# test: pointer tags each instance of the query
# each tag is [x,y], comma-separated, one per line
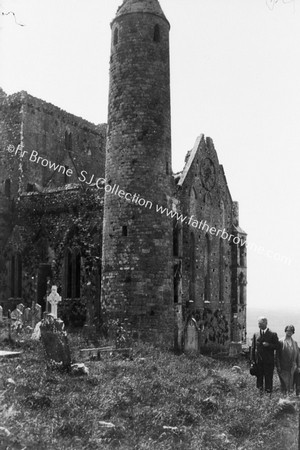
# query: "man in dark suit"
[264,344]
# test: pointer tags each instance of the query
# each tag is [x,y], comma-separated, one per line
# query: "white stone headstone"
[191,337]
[36,332]
[54,298]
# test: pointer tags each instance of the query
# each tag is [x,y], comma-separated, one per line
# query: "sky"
[235,76]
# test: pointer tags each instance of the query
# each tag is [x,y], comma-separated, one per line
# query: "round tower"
[137,271]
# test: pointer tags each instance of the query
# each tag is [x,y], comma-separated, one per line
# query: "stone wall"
[161,269]
[206,202]
[47,227]
[64,140]
[239,281]
[137,241]
[42,206]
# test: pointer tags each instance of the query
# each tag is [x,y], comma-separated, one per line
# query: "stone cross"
[54,298]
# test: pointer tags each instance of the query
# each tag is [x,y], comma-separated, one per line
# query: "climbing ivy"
[47,224]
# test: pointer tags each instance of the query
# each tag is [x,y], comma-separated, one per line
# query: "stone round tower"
[137,270]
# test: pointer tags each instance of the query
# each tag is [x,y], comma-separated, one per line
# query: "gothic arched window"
[177,239]
[68,140]
[192,267]
[242,249]
[72,273]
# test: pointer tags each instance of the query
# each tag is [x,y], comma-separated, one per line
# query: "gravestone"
[38,310]
[21,307]
[55,343]
[27,316]
[191,343]
[9,354]
[37,313]
[36,335]
[235,349]
[1,315]
[54,298]
[17,315]
[17,320]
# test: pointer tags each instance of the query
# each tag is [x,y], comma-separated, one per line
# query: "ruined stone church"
[97,210]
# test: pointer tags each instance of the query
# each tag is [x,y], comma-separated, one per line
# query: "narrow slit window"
[124,230]
[116,36]
[68,140]
[65,175]
[156,35]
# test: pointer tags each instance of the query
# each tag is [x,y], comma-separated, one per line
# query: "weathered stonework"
[137,241]
[99,223]
[61,138]
[46,212]
[208,260]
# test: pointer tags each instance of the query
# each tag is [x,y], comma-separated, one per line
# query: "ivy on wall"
[48,223]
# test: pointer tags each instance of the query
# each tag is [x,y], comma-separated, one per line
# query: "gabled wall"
[207,257]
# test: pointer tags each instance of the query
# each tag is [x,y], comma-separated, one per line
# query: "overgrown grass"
[157,400]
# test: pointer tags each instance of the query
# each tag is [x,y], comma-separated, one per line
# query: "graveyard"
[60,390]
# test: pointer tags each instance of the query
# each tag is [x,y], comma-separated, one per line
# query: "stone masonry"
[112,226]
[137,242]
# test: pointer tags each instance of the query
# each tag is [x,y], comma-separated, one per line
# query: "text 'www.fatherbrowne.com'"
[102,184]
[202,225]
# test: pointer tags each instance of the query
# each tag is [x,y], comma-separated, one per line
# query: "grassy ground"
[157,400]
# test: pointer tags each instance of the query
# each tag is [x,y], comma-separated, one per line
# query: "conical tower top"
[141,6]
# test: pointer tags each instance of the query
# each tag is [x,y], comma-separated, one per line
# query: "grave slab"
[9,354]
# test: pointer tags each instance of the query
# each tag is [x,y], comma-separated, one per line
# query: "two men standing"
[264,344]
